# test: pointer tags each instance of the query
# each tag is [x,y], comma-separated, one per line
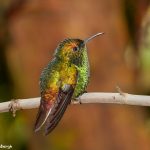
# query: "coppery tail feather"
[63,99]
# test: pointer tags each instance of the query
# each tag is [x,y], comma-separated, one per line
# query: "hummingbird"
[65,78]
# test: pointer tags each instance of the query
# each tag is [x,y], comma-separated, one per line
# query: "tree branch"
[115,98]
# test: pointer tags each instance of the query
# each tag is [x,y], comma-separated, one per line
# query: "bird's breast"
[68,74]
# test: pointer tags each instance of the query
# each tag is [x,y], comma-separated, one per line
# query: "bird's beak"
[92,37]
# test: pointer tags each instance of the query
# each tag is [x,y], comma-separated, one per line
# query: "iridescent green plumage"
[78,62]
[65,77]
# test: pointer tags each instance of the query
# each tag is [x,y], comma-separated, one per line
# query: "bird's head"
[72,49]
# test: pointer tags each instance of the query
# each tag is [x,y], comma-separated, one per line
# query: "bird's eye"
[75,48]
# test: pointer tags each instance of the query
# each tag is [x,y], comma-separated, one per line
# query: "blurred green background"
[30,31]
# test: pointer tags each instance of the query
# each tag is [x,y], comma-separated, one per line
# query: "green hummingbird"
[65,77]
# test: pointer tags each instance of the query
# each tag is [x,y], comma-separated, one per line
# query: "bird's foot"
[76,101]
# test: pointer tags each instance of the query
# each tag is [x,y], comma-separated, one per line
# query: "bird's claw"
[76,101]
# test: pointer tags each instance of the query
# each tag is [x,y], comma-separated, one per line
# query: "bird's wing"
[51,111]
[52,107]
[63,99]
[46,105]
